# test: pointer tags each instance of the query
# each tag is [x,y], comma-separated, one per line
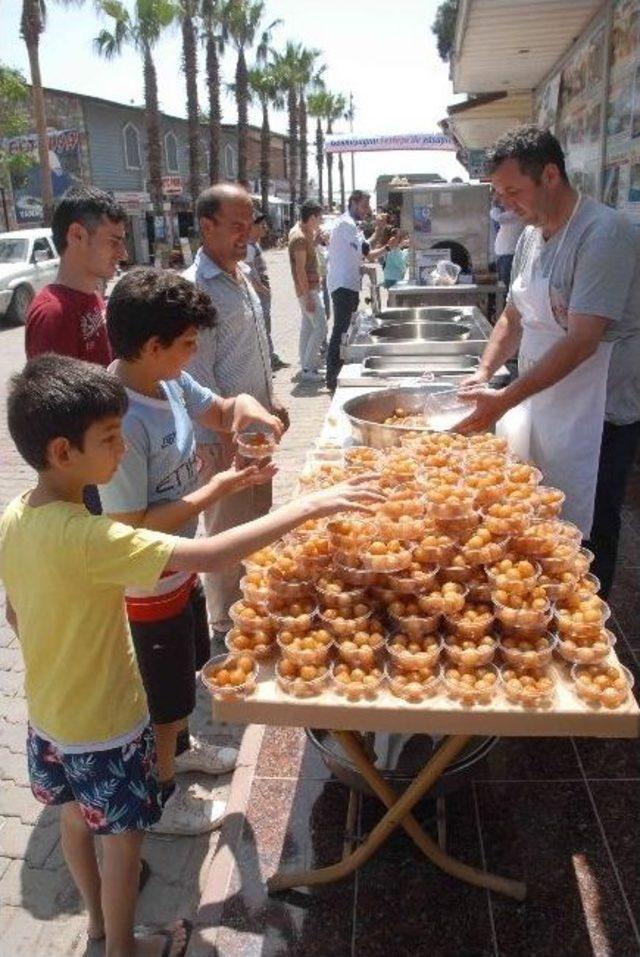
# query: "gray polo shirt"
[232,357]
[597,272]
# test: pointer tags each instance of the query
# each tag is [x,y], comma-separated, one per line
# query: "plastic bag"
[445,273]
[444,410]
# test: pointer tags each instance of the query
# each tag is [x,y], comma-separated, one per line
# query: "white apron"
[565,421]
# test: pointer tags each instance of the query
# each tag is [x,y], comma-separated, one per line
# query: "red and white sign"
[172,185]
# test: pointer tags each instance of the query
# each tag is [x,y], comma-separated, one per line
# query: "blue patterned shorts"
[116,790]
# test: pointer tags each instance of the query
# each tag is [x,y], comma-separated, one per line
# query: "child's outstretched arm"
[213,554]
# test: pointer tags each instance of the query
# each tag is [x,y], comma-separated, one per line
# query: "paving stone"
[11,682]
[20,802]
[44,894]
[13,737]
[16,713]
[27,842]
[13,767]
[11,660]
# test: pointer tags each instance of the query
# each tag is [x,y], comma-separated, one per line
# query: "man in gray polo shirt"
[232,357]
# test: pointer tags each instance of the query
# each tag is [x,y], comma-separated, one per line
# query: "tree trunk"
[320,160]
[304,172]
[265,165]
[152,113]
[190,67]
[215,113]
[330,171]
[293,150]
[242,100]
[341,172]
[31,27]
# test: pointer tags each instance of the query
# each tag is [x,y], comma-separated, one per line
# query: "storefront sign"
[403,141]
[64,162]
[132,202]
[172,185]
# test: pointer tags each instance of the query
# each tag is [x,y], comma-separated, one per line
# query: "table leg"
[451,747]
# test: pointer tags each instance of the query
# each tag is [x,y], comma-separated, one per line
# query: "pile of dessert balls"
[464,581]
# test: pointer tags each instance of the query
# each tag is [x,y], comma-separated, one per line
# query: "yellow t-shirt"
[65,572]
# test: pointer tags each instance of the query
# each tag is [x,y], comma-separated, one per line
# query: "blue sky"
[383,52]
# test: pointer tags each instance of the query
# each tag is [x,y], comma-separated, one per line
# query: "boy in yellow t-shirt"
[90,745]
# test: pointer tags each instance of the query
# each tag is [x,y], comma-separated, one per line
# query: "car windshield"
[13,250]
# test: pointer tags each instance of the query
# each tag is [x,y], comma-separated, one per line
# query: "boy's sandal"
[145,874]
[170,937]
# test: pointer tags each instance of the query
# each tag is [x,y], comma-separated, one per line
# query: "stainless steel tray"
[422,314]
[389,366]
[423,331]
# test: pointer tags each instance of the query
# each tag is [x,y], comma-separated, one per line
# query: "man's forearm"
[502,345]
[228,548]
[558,362]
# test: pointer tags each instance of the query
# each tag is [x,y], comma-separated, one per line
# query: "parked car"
[28,261]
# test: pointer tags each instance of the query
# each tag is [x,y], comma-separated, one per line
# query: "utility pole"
[353,160]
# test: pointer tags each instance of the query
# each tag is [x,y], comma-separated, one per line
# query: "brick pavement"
[40,914]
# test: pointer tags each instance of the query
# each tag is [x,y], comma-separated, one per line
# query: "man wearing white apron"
[573,313]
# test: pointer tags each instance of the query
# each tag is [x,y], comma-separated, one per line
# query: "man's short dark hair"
[150,302]
[357,195]
[87,206]
[210,200]
[59,397]
[532,147]
[308,209]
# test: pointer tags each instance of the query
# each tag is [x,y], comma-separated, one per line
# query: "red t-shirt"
[69,323]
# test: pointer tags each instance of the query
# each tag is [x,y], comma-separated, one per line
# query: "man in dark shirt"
[67,316]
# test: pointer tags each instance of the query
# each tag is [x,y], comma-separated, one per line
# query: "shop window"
[131,139]
[171,152]
[230,164]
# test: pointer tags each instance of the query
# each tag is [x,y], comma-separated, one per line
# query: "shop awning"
[477,123]
[512,44]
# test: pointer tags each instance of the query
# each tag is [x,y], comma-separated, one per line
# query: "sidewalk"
[40,913]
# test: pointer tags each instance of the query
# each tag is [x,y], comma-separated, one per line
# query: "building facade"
[103,143]
[577,73]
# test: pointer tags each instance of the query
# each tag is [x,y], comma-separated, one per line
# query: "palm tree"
[289,74]
[336,105]
[243,19]
[211,12]
[309,76]
[142,30]
[187,12]
[32,25]
[264,83]
[317,105]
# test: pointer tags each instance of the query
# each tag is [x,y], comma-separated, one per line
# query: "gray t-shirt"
[597,272]
[160,462]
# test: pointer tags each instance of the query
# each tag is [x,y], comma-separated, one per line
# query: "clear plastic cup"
[504,518]
[229,686]
[247,643]
[587,651]
[296,685]
[558,588]
[610,696]
[459,506]
[530,619]
[565,558]
[360,684]
[406,657]
[415,625]
[341,625]
[487,554]
[361,655]
[532,689]
[521,473]
[569,626]
[444,410]
[288,588]
[470,652]
[249,618]
[362,456]
[436,549]
[471,685]
[526,654]
[255,593]
[334,598]
[466,626]
[407,528]
[413,687]
[411,581]
[301,622]
[487,487]
[296,651]
[255,445]
[350,567]
[549,503]
[350,535]
[456,573]
[510,581]
[389,562]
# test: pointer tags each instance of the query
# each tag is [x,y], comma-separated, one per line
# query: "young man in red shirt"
[67,317]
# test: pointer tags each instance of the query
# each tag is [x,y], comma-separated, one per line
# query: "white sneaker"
[206,757]
[186,814]
[310,375]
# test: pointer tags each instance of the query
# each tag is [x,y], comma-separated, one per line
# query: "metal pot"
[457,775]
[366,413]
[421,314]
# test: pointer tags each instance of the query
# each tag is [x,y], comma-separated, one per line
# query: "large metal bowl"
[421,314]
[366,413]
